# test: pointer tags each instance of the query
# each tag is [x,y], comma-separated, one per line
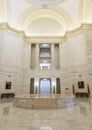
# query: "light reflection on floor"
[78,117]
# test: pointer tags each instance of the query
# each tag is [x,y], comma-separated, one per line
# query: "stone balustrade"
[44,101]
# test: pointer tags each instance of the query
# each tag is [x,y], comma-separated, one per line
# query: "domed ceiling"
[45,17]
[45,2]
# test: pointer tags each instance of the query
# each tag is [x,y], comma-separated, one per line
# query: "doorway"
[45,86]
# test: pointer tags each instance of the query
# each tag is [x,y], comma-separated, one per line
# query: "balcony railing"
[42,54]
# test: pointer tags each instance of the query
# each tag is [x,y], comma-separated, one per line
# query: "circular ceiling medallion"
[45,2]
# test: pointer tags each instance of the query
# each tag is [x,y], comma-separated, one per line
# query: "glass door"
[45,86]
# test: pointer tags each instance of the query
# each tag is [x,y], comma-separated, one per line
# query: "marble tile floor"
[78,117]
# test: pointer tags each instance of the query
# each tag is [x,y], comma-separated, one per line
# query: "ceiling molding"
[34,9]
[68,33]
[6,26]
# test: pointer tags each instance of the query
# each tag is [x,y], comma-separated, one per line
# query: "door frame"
[40,83]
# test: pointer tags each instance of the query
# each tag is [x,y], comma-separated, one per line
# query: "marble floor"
[78,117]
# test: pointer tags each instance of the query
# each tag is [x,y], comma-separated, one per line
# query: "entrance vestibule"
[45,86]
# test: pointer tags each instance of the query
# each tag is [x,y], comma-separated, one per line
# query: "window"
[45,50]
[45,56]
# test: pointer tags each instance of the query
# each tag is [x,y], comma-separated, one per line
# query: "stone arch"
[62,14]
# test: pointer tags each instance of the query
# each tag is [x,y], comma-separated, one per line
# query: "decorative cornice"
[6,26]
[68,33]
[59,14]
